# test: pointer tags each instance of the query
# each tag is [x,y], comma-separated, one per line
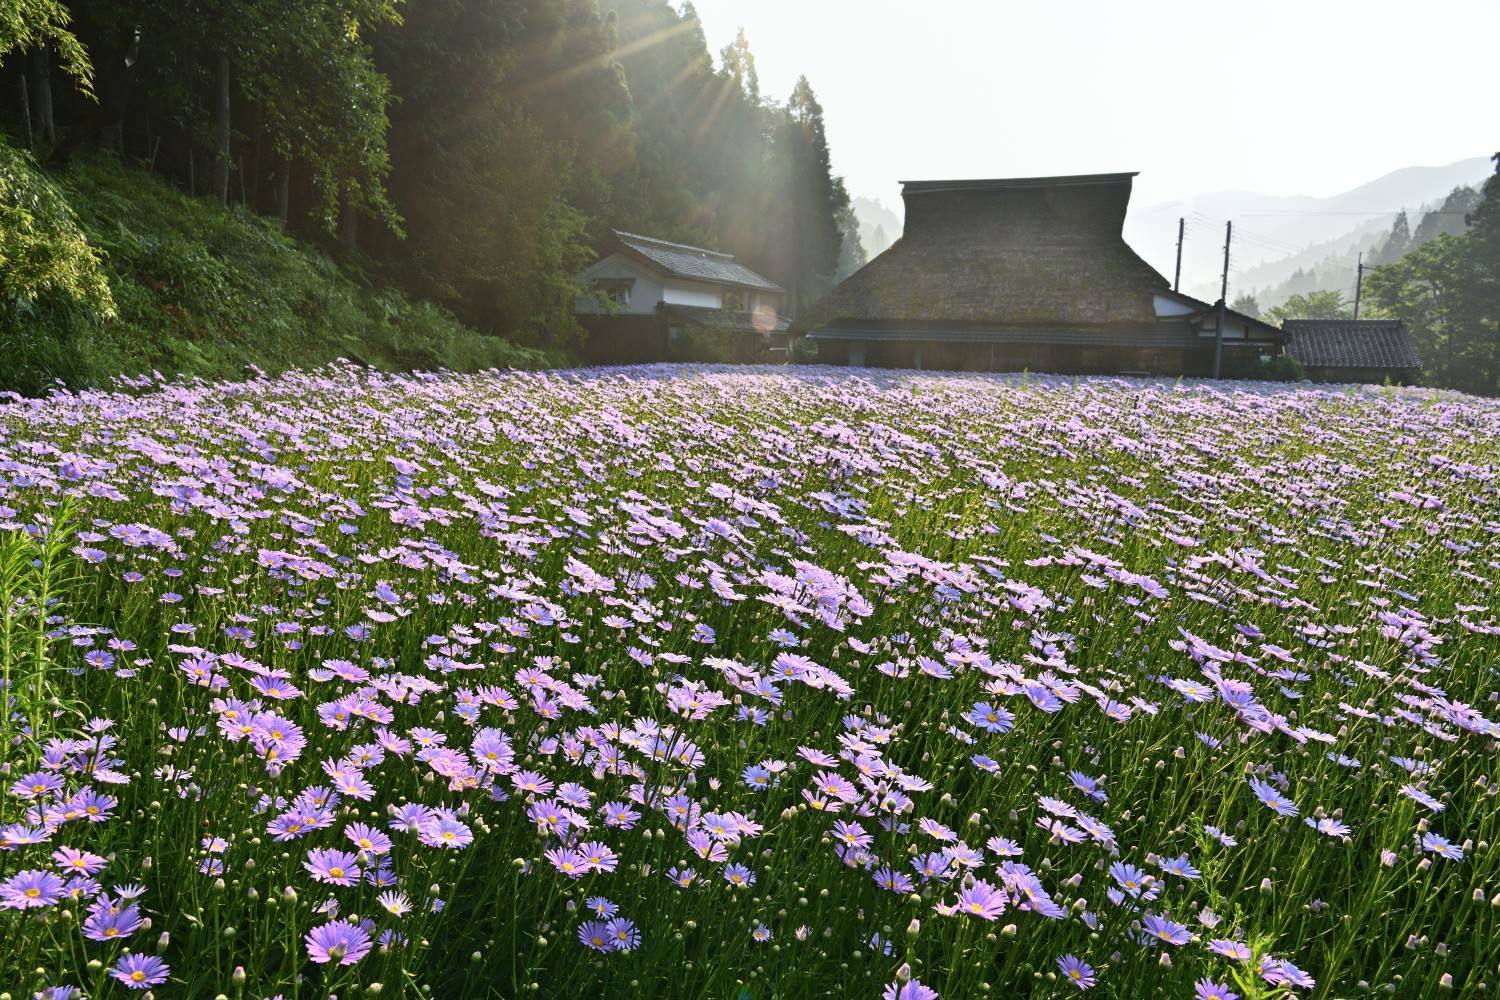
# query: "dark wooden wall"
[623,340]
[1045,358]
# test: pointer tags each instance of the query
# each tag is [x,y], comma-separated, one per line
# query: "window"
[735,300]
[613,292]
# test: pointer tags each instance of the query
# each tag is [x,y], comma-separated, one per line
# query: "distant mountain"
[1275,228]
[1321,267]
[879,227]
[1332,266]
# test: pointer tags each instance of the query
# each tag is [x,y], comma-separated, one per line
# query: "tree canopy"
[1447,291]
[474,152]
[1312,305]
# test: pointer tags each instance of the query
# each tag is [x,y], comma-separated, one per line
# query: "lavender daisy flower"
[595,934]
[333,867]
[1166,930]
[1180,866]
[1076,971]
[1237,950]
[1431,843]
[107,923]
[624,934]
[341,941]
[982,900]
[31,889]
[1272,799]
[913,990]
[738,875]
[140,972]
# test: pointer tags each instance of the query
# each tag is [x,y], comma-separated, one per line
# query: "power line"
[1259,239]
[1398,211]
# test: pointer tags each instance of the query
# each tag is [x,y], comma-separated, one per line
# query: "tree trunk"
[284,191]
[26,112]
[221,132]
[349,223]
[250,179]
[41,93]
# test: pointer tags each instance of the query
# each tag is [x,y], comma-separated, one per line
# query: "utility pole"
[1359,285]
[1223,300]
[1177,277]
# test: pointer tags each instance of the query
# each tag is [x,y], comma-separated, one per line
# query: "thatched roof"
[1043,251]
[1351,343]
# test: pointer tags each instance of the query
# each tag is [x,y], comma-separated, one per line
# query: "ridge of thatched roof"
[1016,251]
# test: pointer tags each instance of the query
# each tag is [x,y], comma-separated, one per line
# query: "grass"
[1038,628]
[147,280]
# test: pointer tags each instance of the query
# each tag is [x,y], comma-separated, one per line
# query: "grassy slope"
[200,291]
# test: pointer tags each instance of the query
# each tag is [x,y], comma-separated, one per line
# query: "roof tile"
[695,262]
[1345,343]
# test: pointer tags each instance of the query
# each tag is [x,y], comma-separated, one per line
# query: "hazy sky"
[1276,96]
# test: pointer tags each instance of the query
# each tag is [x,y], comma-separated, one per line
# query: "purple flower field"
[749,683]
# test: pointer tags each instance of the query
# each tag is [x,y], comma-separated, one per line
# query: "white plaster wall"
[692,293]
[644,295]
[1166,306]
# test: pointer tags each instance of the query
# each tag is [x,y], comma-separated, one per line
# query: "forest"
[467,153]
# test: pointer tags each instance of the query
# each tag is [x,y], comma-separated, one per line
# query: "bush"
[53,283]
[720,346]
[1248,364]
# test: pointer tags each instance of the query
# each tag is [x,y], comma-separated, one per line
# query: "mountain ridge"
[1273,227]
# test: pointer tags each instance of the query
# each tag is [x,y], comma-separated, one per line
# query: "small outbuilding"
[1353,350]
[648,300]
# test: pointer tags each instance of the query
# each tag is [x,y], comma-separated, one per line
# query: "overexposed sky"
[1276,96]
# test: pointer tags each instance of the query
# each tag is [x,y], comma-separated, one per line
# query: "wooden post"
[1359,284]
[1223,301]
[1177,277]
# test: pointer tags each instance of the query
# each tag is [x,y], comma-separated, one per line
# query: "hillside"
[109,271]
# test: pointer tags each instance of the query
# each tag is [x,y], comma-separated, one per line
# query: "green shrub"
[699,344]
[1248,364]
[804,351]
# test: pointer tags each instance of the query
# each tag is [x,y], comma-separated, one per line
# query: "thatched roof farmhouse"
[1016,273]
